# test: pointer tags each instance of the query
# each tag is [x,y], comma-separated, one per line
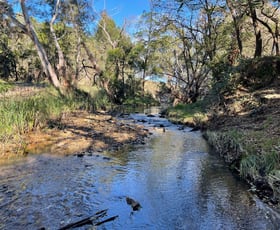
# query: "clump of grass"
[21,115]
[254,154]
[194,113]
[4,86]
[227,144]
[259,165]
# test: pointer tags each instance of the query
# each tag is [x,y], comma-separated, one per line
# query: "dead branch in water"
[92,220]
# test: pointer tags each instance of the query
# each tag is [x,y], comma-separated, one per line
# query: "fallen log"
[92,220]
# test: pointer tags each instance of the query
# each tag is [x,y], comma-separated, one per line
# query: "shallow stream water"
[179,183]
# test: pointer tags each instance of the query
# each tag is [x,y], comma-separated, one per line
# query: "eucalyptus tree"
[148,43]
[195,25]
[270,20]
[256,17]
[114,47]
[52,13]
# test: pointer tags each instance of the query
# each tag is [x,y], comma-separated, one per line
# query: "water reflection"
[178,183]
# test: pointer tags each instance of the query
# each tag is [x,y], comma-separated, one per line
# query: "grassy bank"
[191,114]
[21,113]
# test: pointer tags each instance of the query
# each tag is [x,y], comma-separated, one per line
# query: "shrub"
[259,72]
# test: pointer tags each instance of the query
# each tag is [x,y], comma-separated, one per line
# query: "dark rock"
[80,154]
[141,120]
[194,129]
[135,205]
[106,158]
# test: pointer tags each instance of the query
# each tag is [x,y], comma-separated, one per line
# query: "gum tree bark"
[30,31]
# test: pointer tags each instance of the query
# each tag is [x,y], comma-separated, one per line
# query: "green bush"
[259,72]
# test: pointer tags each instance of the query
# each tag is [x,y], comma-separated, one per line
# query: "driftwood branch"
[92,220]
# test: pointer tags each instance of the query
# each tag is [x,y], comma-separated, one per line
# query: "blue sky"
[121,10]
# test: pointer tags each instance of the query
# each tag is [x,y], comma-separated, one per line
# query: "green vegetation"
[251,153]
[255,166]
[191,114]
[140,99]
[4,86]
[20,115]
[258,72]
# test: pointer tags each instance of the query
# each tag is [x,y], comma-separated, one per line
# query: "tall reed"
[20,115]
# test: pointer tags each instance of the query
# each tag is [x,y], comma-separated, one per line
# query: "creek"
[178,181]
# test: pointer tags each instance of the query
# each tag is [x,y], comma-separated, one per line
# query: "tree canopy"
[185,42]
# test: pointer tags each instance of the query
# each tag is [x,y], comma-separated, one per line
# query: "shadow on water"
[179,184]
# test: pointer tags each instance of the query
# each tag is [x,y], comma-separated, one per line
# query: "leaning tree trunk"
[67,80]
[48,69]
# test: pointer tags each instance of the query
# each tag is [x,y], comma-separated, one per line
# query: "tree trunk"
[236,22]
[48,69]
[275,33]
[144,74]
[61,66]
[77,59]
[91,59]
[257,30]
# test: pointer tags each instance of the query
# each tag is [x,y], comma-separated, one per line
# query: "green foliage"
[107,24]
[190,109]
[140,99]
[253,160]
[4,86]
[7,59]
[97,97]
[20,115]
[223,81]
[116,54]
[255,165]
[194,113]
[249,166]
[259,72]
